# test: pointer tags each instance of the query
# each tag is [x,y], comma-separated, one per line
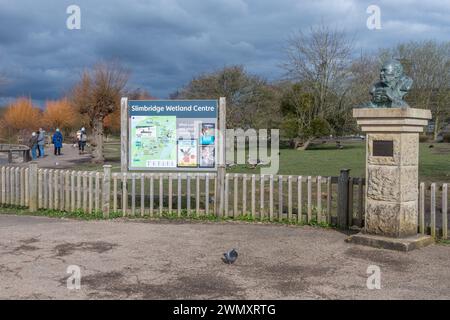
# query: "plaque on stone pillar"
[383,148]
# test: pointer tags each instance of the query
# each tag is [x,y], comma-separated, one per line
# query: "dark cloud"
[165,43]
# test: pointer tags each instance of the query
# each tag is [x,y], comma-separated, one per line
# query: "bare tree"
[98,94]
[363,73]
[320,59]
[249,97]
[139,94]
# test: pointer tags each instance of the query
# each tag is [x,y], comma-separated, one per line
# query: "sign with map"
[172,134]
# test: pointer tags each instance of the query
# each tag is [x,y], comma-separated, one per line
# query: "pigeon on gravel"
[230,256]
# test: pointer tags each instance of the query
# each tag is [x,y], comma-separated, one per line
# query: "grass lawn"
[324,160]
[327,160]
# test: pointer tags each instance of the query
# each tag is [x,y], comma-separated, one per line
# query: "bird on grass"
[230,256]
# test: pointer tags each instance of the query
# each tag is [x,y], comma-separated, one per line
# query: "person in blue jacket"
[57,140]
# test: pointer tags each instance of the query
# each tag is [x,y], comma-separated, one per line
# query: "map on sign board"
[172,134]
[154,141]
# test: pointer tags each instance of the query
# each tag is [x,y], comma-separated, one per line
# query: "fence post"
[342,216]
[33,187]
[350,202]
[161,194]
[97,192]
[221,169]
[170,195]
[360,202]
[106,190]
[72,191]
[319,199]
[27,185]
[66,191]
[143,194]
[422,208]
[261,197]
[197,195]
[3,185]
[124,193]
[133,194]
[280,198]
[207,194]
[178,195]
[444,211]
[433,209]
[299,199]
[329,195]
[226,195]
[309,199]
[124,134]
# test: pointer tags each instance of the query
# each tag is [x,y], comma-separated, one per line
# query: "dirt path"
[162,260]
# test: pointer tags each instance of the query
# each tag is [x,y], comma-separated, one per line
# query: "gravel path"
[161,260]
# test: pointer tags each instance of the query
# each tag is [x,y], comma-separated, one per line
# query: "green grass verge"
[445,242]
[6,209]
[80,215]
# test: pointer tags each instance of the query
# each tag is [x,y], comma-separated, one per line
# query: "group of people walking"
[37,142]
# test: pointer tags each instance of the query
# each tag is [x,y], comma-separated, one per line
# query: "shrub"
[446,137]
[424,138]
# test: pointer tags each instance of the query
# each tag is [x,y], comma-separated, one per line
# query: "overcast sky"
[165,43]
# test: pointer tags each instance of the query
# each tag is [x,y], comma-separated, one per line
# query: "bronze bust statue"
[392,87]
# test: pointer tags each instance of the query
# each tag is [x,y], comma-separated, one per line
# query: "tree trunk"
[97,141]
[436,128]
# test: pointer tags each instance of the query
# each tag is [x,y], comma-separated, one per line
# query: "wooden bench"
[11,148]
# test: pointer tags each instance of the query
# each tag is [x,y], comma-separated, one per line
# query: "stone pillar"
[392,159]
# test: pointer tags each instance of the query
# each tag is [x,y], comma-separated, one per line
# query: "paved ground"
[68,158]
[162,260]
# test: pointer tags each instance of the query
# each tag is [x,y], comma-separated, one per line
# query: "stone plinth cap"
[391,119]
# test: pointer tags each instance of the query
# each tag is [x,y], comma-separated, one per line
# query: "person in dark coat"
[57,141]
[82,140]
[33,144]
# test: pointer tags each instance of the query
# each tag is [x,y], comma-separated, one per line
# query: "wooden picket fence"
[271,197]
[433,208]
[308,199]
[258,196]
